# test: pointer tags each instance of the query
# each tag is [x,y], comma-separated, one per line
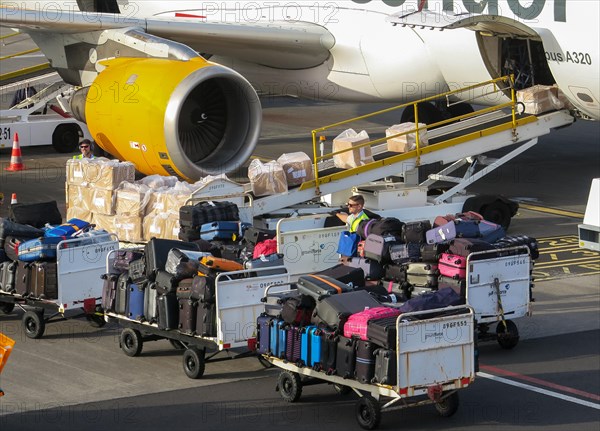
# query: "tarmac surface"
[76,377]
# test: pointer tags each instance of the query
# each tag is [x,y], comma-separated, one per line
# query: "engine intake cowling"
[185,118]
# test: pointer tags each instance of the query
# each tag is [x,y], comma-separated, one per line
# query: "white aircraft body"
[149,95]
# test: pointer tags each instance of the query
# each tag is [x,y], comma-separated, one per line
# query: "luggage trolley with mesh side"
[80,262]
[238,303]
[434,359]
[498,287]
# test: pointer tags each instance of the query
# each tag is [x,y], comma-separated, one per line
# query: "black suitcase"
[22,278]
[44,280]
[168,311]
[297,310]
[206,321]
[109,291]
[383,332]
[373,270]
[365,361]
[431,253]
[165,282]
[10,228]
[207,212]
[415,231]
[319,286]
[188,313]
[188,234]
[353,277]
[7,276]
[157,251]
[345,358]
[254,235]
[334,310]
[458,285]
[121,299]
[385,367]
[329,342]
[395,273]
[36,214]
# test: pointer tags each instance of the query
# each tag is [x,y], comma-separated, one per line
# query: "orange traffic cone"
[13,199]
[16,162]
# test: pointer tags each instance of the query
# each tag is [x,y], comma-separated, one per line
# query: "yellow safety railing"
[508,82]
[6,346]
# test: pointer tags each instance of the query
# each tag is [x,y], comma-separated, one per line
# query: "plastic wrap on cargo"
[266,178]
[407,142]
[161,225]
[129,228]
[158,181]
[131,198]
[357,157]
[100,172]
[539,99]
[98,201]
[169,199]
[76,197]
[79,213]
[297,168]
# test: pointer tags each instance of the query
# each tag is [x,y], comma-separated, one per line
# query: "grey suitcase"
[22,278]
[150,310]
[7,276]
[121,300]
[385,367]
[422,274]
[335,309]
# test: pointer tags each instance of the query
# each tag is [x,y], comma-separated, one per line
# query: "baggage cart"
[238,303]
[499,290]
[80,262]
[435,357]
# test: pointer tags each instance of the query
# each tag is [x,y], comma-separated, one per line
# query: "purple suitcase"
[442,233]
[264,333]
[292,348]
[451,265]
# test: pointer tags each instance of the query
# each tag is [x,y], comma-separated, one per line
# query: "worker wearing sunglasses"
[85,147]
[355,214]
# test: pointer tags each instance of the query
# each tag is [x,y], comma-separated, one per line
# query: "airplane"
[174,86]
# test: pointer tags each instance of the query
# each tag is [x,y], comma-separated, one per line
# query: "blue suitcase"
[135,302]
[43,248]
[220,230]
[278,338]
[305,344]
[264,334]
[66,230]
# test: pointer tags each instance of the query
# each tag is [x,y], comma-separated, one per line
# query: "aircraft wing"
[287,45]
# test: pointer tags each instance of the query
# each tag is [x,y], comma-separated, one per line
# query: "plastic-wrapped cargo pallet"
[351,159]
[407,141]
[539,99]
[267,178]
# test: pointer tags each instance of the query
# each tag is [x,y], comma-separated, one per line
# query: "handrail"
[417,130]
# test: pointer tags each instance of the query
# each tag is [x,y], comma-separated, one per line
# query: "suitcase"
[10,228]
[516,240]
[329,342]
[43,280]
[122,260]
[109,291]
[7,276]
[176,257]
[135,301]
[254,235]
[333,310]
[318,286]
[383,332]
[168,311]
[467,228]
[266,262]
[3,256]
[422,274]
[415,231]
[375,248]
[373,270]
[220,230]
[206,321]
[292,348]
[43,248]
[188,314]
[185,289]
[353,277]
[188,234]
[365,361]
[36,215]
[346,358]
[150,306]
[137,270]
[220,264]
[66,230]
[458,285]
[441,233]
[356,325]
[265,247]
[431,252]
[360,248]
[263,323]
[278,338]
[157,250]
[453,266]
[466,246]
[207,212]
[386,370]
[395,273]
[11,247]
[274,301]
[121,299]
[228,250]
[22,278]
[165,282]
[297,310]
[306,335]
[404,253]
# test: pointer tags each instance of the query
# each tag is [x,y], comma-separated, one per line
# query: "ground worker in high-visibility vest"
[85,147]
[356,212]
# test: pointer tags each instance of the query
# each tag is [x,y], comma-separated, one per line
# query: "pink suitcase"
[452,265]
[356,325]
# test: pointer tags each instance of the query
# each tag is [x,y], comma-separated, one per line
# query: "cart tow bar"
[435,392]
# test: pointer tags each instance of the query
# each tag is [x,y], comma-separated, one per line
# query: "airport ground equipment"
[435,357]
[589,230]
[80,264]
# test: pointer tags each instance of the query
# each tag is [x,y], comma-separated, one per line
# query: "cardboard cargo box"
[297,168]
[266,178]
[98,201]
[406,142]
[539,99]
[131,199]
[161,225]
[357,157]
[106,222]
[76,196]
[166,200]
[129,228]
[79,213]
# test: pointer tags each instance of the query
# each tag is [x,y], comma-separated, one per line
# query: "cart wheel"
[193,363]
[289,386]
[177,345]
[34,324]
[368,412]
[508,337]
[448,406]
[7,307]
[131,342]
[264,362]
[342,389]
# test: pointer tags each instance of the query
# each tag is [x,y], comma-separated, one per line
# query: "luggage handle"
[337,288]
